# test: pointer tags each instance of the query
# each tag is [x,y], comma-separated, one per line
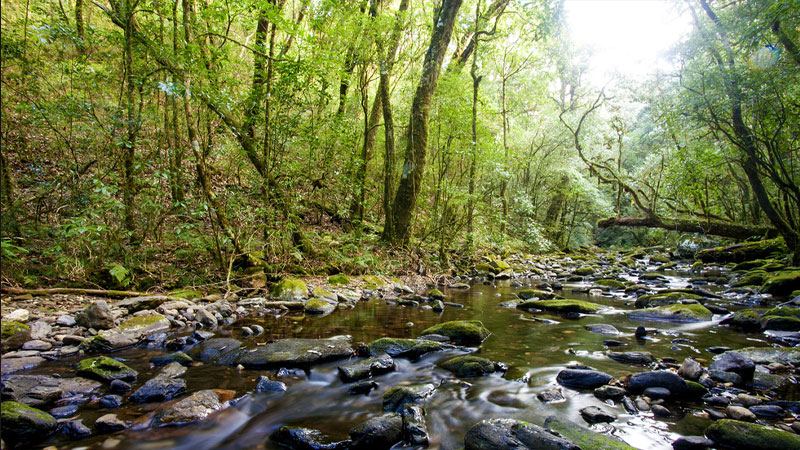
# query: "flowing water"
[535,346]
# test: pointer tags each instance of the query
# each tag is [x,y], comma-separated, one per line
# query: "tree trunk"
[129,155]
[370,132]
[79,28]
[723,229]
[416,149]
[476,81]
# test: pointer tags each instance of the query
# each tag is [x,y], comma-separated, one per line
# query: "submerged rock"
[297,438]
[635,358]
[728,433]
[585,438]
[582,379]
[22,423]
[511,434]
[734,362]
[301,353]
[562,306]
[396,397]
[462,332]
[164,386]
[673,313]
[399,347]
[365,368]
[602,328]
[595,414]
[222,351]
[378,433]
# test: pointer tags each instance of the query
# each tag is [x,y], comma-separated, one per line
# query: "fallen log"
[71,291]
[724,229]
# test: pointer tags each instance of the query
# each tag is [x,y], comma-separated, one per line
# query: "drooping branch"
[724,229]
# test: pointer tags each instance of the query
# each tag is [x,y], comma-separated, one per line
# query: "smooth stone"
[728,433]
[595,414]
[508,434]
[97,315]
[120,386]
[404,348]
[164,386]
[111,401]
[735,362]
[193,408]
[633,358]
[301,353]
[717,349]
[660,411]
[40,330]
[109,423]
[582,379]
[725,377]
[37,345]
[657,393]
[690,369]
[613,343]
[692,443]
[659,378]
[76,429]
[609,392]
[773,412]
[379,433]
[61,412]
[641,332]
[12,365]
[740,413]
[602,328]
[65,320]
[551,396]
[304,439]
[362,388]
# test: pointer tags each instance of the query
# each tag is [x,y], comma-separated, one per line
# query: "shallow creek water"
[535,346]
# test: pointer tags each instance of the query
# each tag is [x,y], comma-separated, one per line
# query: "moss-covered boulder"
[103,368]
[373,282]
[498,265]
[469,366]
[583,437]
[744,252]
[319,306]
[583,271]
[665,298]
[289,289]
[527,294]
[302,353]
[404,348]
[143,325]
[747,319]
[780,323]
[396,397]
[14,334]
[610,283]
[20,423]
[436,294]
[505,434]
[788,356]
[752,278]
[338,280]
[462,332]
[673,313]
[782,283]
[728,433]
[561,306]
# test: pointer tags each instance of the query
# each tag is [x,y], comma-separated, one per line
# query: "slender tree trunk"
[129,156]
[370,132]
[79,28]
[416,151]
[350,62]
[476,81]
[504,185]
[268,134]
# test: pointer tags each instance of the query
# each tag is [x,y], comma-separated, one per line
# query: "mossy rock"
[145,324]
[319,306]
[780,323]
[436,294]
[661,259]
[666,266]
[96,344]
[583,271]
[694,390]
[178,357]
[527,294]
[324,294]
[186,294]
[498,265]
[749,265]
[747,319]
[727,433]
[289,289]
[666,298]
[697,266]
[373,282]
[773,266]
[462,332]
[14,334]
[583,437]
[610,283]
[484,268]
[752,278]
[673,313]
[338,280]
[788,356]
[400,347]
[468,366]
[747,251]
[562,306]
[21,423]
[651,276]
[103,368]
[782,284]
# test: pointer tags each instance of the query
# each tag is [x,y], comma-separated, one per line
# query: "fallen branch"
[723,229]
[72,291]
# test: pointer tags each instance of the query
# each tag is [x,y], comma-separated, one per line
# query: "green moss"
[338,280]
[585,438]
[9,329]
[783,311]
[662,259]
[749,265]
[674,313]
[141,321]
[747,319]
[747,251]
[324,294]
[499,265]
[651,276]
[104,368]
[95,344]
[780,323]
[666,266]
[319,306]
[463,332]
[562,306]
[584,271]
[289,289]
[666,298]
[753,278]
[14,334]
[527,294]
[468,366]
[373,282]
[411,348]
[736,434]
[484,268]
[694,390]
[608,282]
[782,284]
[21,423]
[436,294]
[186,294]
[697,266]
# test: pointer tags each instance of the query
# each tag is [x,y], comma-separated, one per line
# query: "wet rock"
[740,413]
[295,353]
[12,365]
[658,378]
[582,379]
[583,437]
[164,386]
[107,341]
[178,357]
[665,298]
[640,333]
[595,414]
[780,323]
[319,306]
[634,358]
[109,423]
[97,315]
[462,332]
[747,320]
[734,362]
[657,393]
[469,366]
[772,412]
[768,355]
[660,411]
[438,306]
[408,348]
[362,388]
[561,306]
[40,330]
[728,433]
[305,439]
[365,368]
[119,386]
[193,408]
[673,313]
[602,328]
[205,317]
[60,412]
[396,397]
[290,290]
[690,369]
[14,335]
[264,384]
[378,433]
[36,390]
[528,294]
[415,431]
[551,396]
[692,443]
[725,377]
[21,423]
[613,343]
[222,351]
[37,345]
[76,429]
[103,368]
[508,434]
[609,392]
[782,283]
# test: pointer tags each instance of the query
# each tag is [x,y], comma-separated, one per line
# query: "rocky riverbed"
[598,350]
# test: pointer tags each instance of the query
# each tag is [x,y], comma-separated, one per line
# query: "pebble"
[660,411]
[61,412]
[18,315]
[740,413]
[37,345]
[111,401]
[120,386]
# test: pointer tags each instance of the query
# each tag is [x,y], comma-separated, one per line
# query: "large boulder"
[561,306]
[103,368]
[462,332]
[744,252]
[97,315]
[378,433]
[736,434]
[734,362]
[510,434]
[164,386]
[301,353]
[585,438]
[222,351]
[582,379]
[21,423]
[319,306]
[673,313]
[657,378]
[469,366]
[782,284]
[37,390]
[193,408]
[297,438]
[145,325]
[290,290]
[407,348]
